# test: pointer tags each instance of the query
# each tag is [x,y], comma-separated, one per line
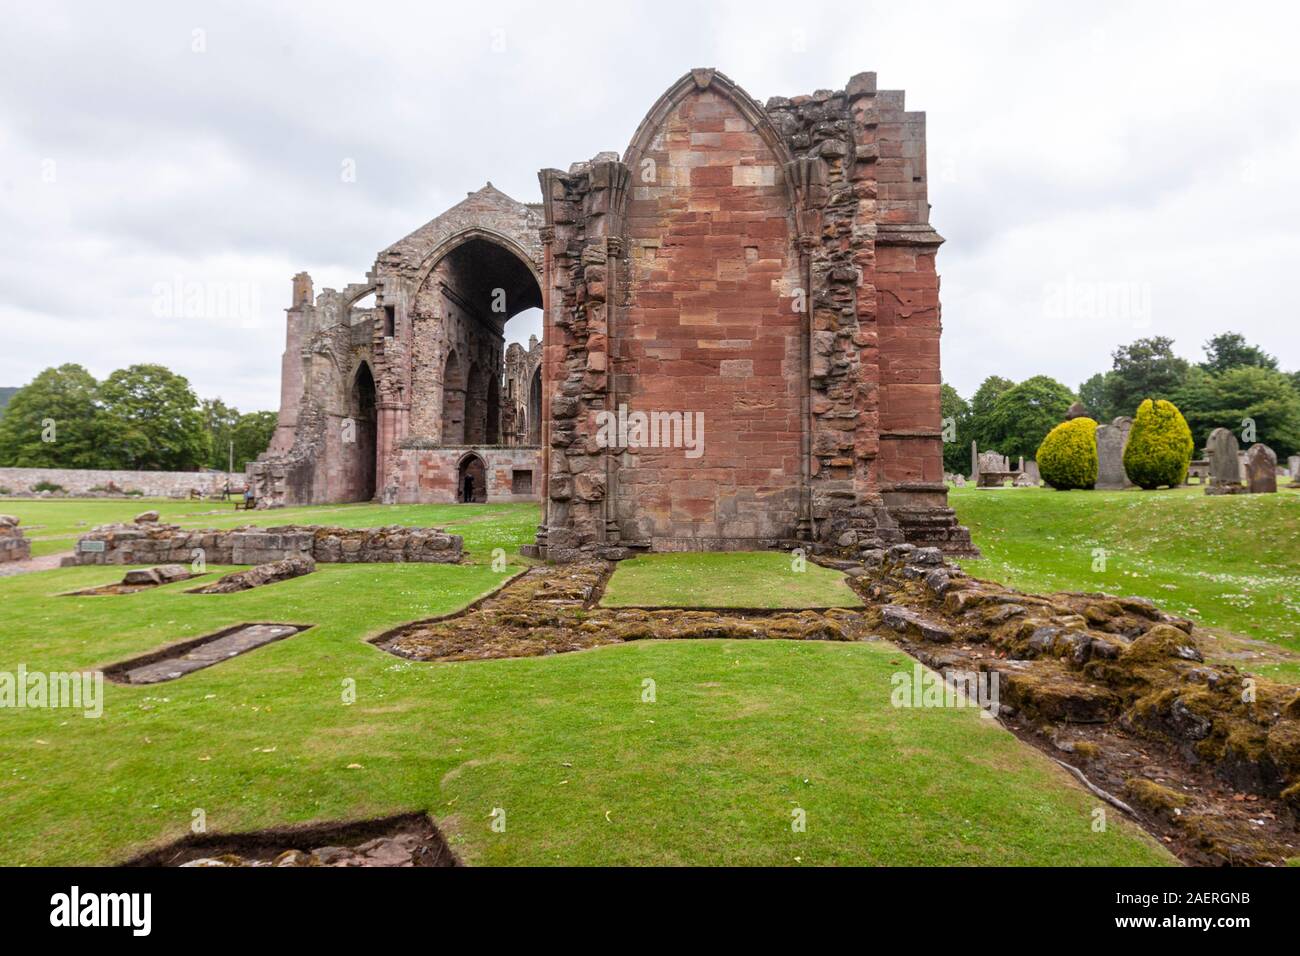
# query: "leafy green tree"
[1240,398]
[1093,395]
[52,422]
[1231,350]
[956,424]
[252,434]
[1148,368]
[1024,414]
[151,420]
[981,407]
[219,421]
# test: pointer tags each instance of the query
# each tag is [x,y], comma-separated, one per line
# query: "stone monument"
[1225,469]
[1261,470]
[1111,441]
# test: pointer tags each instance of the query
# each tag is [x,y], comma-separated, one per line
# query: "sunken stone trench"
[553,610]
[189,656]
[407,840]
[1117,690]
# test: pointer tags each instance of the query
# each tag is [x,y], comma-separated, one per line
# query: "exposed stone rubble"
[1114,668]
[141,579]
[548,610]
[404,850]
[160,574]
[148,542]
[261,575]
[13,546]
[402,841]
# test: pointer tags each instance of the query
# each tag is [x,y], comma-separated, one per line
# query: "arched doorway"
[453,401]
[361,435]
[471,480]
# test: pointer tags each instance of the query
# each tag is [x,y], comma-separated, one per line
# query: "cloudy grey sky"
[1101,173]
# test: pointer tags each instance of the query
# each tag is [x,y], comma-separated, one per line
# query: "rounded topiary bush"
[1067,458]
[1159,446]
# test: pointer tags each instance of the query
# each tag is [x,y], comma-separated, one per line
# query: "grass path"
[740,735]
[760,579]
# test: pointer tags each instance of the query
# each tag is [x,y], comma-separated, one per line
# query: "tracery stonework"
[767,271]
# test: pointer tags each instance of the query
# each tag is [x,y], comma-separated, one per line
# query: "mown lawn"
[740,735]
[763,579]
[54,524]
[1229,561]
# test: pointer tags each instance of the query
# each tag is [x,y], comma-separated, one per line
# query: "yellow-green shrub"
[1159,446]
[1067,458]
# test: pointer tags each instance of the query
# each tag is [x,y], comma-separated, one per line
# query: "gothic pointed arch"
[694,83]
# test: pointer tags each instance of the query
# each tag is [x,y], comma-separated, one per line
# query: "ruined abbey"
[767,271]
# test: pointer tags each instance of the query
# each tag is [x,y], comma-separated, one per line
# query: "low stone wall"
[13,546]
[154,543]
[154,484]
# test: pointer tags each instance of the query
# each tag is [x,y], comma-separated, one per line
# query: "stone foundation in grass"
[1115,686]
[13,546]
[151,542]
[259,576]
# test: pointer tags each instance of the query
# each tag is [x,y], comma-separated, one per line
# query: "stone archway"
[361,435]
[471,480]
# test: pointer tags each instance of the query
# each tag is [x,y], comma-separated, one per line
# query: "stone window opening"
[453,401]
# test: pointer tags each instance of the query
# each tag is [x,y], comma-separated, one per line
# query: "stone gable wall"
[677,284]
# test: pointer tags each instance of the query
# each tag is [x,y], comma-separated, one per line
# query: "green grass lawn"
[1226,561]
[741,735]
[763,579]
[54,524]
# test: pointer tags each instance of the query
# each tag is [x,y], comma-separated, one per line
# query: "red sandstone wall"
[908,327]
[428,475]
[711,326]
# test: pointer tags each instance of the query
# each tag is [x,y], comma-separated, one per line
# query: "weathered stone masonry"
[773,268]
[770,268]
[157,543]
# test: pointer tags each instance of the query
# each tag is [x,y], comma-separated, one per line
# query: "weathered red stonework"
[771,269]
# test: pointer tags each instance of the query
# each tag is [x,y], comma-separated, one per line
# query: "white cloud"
[1144,150]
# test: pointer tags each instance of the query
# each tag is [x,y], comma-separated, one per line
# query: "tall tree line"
[140,418]
[1238,386]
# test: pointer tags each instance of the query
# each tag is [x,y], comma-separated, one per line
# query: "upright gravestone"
[1031,469]
[974,461]
[1293,466]
[1111,440]
[1225,471]
[1261,470]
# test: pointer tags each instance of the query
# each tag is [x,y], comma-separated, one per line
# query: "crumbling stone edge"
[148,541]
[1075,659]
